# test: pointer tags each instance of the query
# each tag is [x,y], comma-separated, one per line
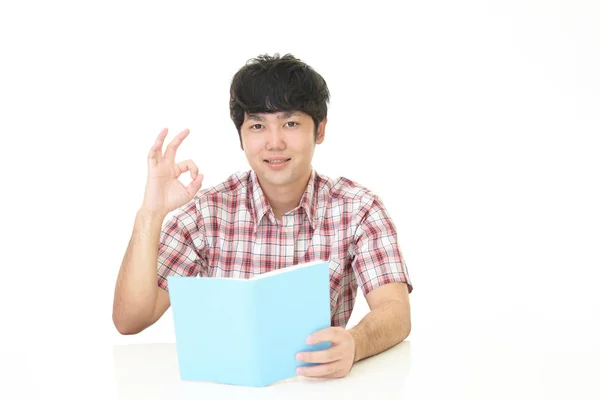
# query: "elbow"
[124,326]
[404,326]
[406,329]
[125,330]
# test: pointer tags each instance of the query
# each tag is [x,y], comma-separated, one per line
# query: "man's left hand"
[336,361]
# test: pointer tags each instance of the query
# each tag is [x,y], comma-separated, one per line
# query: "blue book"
[248,331]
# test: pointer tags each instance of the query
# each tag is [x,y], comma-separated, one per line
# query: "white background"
[477,122]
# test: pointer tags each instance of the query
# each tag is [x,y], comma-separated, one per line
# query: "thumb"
[195,185]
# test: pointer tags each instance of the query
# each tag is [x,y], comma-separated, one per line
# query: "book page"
[286,269]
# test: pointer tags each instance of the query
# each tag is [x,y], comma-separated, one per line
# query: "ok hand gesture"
[164,193]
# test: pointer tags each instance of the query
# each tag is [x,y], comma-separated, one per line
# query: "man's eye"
[291,122]
[256,127]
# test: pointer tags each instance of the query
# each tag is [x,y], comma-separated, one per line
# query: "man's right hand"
[164,193]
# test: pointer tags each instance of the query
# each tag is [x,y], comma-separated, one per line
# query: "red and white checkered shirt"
[230,231]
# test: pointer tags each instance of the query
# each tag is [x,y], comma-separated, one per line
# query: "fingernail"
[300,371]
[299,357]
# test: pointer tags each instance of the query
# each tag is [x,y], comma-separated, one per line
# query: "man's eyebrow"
[255,117]
[283,115]
[288,114]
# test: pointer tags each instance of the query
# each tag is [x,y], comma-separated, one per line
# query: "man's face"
[279,146]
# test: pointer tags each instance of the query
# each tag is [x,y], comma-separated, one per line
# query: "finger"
[188,165]
[319,357]
[172,147]
[335,374]
[155,152]
[195,185]
[334,334]
[321,370]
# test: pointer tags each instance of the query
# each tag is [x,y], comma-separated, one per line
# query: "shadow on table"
[150,371]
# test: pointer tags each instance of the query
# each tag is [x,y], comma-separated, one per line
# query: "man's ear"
[321,131]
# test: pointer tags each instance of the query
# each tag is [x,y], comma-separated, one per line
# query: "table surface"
[449,360]
[149,371]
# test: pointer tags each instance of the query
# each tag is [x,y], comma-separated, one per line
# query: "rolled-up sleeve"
[378,259]
[182,245]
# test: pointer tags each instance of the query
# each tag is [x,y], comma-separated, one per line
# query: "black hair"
[269,84]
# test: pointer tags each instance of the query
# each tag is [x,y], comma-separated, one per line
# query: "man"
[280,213]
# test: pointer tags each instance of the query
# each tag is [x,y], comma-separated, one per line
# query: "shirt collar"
[259,201]
[261,206]
[309,199]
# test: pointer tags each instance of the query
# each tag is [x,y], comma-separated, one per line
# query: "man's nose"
[275,138]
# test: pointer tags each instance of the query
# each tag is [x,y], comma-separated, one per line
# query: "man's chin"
[278,178]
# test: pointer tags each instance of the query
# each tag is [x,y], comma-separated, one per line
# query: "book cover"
[248,331]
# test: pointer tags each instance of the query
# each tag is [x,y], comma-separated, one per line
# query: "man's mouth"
[278,161]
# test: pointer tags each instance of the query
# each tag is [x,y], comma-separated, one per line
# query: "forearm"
[136,287]
[380,329]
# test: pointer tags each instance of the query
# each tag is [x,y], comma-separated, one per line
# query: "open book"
[248,331]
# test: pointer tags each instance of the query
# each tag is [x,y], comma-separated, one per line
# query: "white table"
[453,359]
[149,371]
[474,364]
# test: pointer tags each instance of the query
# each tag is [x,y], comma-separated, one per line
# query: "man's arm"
[387,324]
[138,301]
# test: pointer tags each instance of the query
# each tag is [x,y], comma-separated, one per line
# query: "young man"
[280,213]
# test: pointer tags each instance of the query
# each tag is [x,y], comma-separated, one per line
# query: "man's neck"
[285,198]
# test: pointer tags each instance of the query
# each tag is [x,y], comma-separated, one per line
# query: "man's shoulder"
[214,196]
[234,185]
[345,189]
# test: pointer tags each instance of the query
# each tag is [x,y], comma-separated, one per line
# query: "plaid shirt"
[230,231]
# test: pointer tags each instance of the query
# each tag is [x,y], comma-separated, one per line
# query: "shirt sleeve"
[182,246]
[378,259]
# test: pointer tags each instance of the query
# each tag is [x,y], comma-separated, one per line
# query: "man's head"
[279,107]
